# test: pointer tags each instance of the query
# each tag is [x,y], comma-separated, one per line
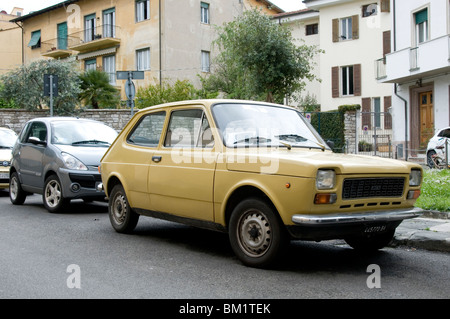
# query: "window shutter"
[387,115]
[335,30]
[386,43]
[385,6]
[366,112]
[357,80]
[355,27]
[335,81]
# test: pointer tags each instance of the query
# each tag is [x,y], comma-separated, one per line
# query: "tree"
[258,58]
[96,91]
[24,86]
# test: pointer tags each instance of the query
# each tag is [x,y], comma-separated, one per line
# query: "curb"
[427,240]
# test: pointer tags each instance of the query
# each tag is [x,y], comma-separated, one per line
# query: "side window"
[148,131]
[444,133]
[37,130]
[189,128]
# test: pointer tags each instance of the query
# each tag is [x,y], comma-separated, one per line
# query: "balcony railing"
[55,48]
[413,59]
[93,38]
[380,68]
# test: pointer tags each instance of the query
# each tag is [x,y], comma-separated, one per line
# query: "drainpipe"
[23,53]
[160,46]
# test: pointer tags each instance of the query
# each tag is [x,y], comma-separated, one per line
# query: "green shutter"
[35,37]
[421,16]
[204,5]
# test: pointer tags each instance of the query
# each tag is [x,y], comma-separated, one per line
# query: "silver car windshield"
[82,133]
[256,125]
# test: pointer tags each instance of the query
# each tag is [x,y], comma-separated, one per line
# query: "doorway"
[426,116]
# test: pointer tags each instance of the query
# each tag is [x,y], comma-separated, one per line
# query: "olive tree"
[24,86]
[258,59]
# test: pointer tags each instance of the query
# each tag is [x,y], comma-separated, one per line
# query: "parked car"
[436,145]
[58,157]
[257,171]
[7,139]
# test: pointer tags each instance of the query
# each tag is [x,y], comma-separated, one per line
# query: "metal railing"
[380,68]
[414,58]
[93,34]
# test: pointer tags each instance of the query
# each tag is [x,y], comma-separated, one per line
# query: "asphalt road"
[78,255]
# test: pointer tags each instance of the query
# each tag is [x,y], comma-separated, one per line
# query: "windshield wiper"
[299,138]
[90,142]
[256,138]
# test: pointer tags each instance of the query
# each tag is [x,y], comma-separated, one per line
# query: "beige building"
[10,33]
[167,39]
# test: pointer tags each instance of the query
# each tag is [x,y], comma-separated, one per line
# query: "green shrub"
[435,191]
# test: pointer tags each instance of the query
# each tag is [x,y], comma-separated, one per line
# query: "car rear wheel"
[16,194]
[52,196]
[122,217]
[371,242]
[257,234]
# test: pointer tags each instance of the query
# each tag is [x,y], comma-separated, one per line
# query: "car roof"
[61,118]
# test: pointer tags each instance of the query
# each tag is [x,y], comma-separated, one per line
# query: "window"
[109,66]
[109,23]
[143,59]
[188,128]
[142,10]
[369,10]
[347,80]
[90,64]
[35,41]
[62,35]
[421,26]
[377,111]
[345,29]
[89,27]
[312,29]
[148,131]
[204,12]
[205,61]
[37,130]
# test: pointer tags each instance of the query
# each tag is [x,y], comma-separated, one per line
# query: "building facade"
[166,39]
[418,68]
[10,33]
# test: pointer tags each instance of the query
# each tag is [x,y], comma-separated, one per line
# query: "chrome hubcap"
[13,188]
[119,209]
[53,193]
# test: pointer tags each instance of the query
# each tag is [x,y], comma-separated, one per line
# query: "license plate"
[375,229]
[4,176]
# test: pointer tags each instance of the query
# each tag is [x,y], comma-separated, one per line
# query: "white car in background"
[436,145]
[7,140]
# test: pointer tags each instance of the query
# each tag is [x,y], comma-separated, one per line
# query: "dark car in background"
[58,157]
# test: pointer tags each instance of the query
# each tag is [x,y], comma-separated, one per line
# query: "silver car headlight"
[415,177]
[72,162]
[325,179]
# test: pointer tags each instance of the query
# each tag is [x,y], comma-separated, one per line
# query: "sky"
[34,5]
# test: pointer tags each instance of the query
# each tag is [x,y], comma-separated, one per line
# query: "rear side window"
[35,129]
[445,133]
[148,130]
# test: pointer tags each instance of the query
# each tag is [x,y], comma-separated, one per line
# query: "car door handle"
[156,159]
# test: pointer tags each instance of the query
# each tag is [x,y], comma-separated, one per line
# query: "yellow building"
[167,39]
[10,33]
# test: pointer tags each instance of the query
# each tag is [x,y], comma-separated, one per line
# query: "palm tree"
[96,91]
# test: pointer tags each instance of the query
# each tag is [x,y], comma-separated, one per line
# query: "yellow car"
[257,171]
[7,140]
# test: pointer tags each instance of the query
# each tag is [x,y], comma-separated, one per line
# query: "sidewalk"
[431,231]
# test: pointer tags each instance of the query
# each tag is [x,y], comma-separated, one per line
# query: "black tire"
[372,242]
[16,194]
[52,196]
[257,234]
[430,162]
[122,217]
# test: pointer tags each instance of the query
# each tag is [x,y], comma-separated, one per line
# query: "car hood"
[5,154]
[304,163]
[89,155]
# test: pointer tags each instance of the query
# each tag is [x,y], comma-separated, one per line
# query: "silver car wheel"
[53,194]
[254,233]
[119,209]
[13,188]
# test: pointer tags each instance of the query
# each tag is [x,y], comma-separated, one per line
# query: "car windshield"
[7,139]
[82,133]
[255,125]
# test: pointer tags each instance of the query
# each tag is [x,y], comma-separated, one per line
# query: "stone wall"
[15,119]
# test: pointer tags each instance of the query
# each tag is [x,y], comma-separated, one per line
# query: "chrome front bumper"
[349,218]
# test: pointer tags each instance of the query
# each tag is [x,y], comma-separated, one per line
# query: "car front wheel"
[52,196]
[122,217]
[257,234]
[16,194]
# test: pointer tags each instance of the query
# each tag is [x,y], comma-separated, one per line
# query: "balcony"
[410,64]
[100,37]
[55,48]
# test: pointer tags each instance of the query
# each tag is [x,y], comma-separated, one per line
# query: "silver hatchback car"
[58,157]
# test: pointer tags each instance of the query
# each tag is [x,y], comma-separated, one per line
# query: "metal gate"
[374,134]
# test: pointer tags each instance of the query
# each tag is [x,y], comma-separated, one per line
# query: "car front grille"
[354,188]
[86,181]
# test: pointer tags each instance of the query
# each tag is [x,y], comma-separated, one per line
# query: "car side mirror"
[330,144]
[36,141]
